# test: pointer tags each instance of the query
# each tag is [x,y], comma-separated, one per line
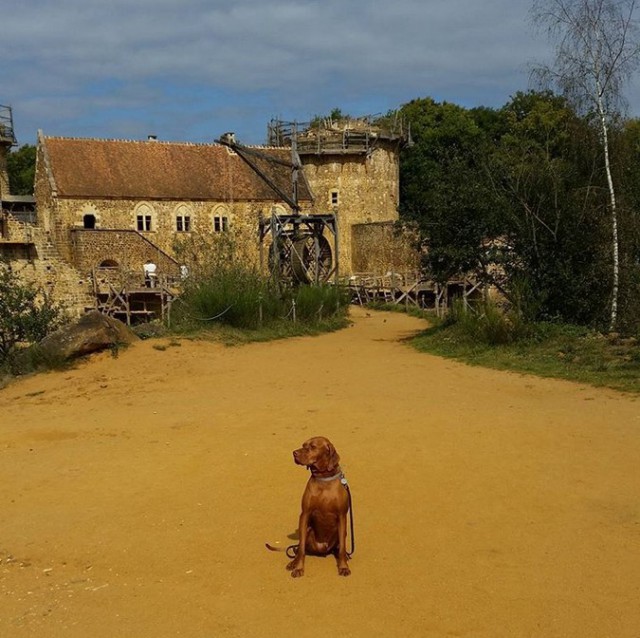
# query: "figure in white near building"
[184,272]
[150,274]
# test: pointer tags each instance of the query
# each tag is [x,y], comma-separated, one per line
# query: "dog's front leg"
[343,567]
[296,566]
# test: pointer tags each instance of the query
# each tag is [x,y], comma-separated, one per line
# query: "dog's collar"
[339,475]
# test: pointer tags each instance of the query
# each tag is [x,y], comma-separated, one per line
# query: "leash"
[343,480]
[292,550]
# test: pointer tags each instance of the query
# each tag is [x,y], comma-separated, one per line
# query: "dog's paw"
[297,572]
[344,571]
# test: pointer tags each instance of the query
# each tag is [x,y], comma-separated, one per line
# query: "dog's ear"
[333,458]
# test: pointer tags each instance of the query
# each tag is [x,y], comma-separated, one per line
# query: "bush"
[240,297]
[225,286]
[315,303]
[27,313]
[488,324]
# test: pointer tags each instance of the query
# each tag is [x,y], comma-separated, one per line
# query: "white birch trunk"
[614,218]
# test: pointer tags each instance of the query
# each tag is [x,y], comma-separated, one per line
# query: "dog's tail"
[275,549]
[291,551]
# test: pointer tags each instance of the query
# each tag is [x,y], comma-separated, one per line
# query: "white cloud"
[130,63]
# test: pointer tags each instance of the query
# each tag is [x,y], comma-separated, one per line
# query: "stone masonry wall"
[36,260]
[67,215]
[384,247]
[127,248]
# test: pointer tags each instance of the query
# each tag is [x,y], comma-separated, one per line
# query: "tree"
[26,313]
[445,188]
[552,201]
[21,166]
[596,51]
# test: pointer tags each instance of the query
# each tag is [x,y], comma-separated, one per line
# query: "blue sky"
[193,69]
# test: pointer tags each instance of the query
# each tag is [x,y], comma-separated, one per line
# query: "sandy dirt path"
[137,494]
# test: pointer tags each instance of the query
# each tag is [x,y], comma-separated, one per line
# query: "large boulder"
[92,332]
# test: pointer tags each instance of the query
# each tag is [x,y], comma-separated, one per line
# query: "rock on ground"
[91,333]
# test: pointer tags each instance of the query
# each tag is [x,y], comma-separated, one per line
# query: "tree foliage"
[524,187]
[444,186]
[27,314]
[596,52]
[545,171]
[21,166]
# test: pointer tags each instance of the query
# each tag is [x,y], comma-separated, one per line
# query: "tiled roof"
[121,169]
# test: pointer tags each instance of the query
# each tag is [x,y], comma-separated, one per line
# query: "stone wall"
[383,247]
[66,216]
[124,249]
[35,259]
[366,187]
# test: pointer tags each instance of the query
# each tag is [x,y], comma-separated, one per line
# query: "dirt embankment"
[137,494]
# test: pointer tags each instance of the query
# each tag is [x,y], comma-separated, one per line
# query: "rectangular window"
[183,223]
[334,198]
[144,222]
[220,224]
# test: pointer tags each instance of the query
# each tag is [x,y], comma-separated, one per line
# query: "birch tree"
[596,52]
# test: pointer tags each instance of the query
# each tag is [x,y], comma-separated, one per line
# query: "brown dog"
[325,504]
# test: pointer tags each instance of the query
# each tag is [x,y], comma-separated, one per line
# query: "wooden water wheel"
[311,259]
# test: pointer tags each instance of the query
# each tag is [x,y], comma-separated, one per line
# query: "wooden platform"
[130,300]
[410,289]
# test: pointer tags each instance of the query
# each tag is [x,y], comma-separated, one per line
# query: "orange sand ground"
[137,494]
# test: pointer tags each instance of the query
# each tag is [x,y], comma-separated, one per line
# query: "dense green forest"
[522,187]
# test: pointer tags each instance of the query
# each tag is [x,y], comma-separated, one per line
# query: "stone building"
[112,205]
[353,168]
[124,202]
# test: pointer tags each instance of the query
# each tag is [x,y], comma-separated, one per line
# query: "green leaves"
[21,166]
[27,314]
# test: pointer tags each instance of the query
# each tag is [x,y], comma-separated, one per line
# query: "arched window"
[144,218]
[89,221]
[109,263]
[183,218]
[221,219]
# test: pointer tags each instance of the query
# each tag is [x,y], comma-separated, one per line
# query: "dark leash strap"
[353,538]
[292,550]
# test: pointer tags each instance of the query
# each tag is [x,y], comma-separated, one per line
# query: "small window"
[89,221]
[144,222]
[334,198]
[220,224]
[183,223]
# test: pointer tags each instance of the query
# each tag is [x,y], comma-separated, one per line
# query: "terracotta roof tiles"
[122,169]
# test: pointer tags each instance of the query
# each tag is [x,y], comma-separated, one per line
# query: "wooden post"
[95,289]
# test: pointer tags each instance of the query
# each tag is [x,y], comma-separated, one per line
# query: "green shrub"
[487,323]
[27,313]
[238,296]
[315,303]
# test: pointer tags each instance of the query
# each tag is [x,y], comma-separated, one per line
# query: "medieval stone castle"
[116,204]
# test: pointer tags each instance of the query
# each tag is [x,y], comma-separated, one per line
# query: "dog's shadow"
[294,536]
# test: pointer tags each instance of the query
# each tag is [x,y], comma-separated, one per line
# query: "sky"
[190,70]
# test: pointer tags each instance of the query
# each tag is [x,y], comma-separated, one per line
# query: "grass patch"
[284,329]
[544,349]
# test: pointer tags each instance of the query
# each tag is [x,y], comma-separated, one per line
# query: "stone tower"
[352,166]
[7,140]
